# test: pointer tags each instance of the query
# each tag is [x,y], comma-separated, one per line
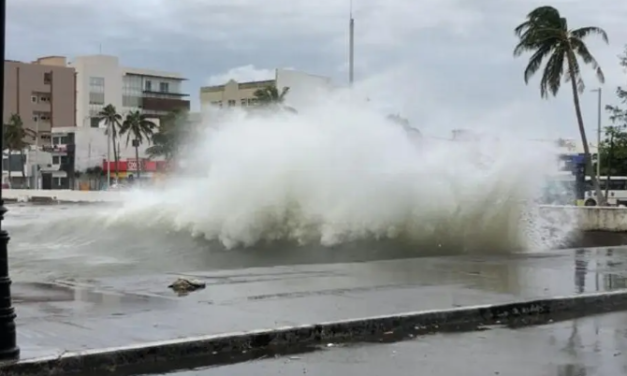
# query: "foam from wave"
[339,172]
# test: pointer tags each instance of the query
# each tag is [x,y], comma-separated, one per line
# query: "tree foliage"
[270,97]
[613,149]
[171,135]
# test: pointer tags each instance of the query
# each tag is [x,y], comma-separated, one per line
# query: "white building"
[22,174]
[100,81]
[304,87]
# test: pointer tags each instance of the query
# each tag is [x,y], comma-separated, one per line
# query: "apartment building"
[303,87]
[101,80]
[42,93]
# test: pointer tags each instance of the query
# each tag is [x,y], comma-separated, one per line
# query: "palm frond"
[584,32]
[535,61]
[552,76]
[580,49]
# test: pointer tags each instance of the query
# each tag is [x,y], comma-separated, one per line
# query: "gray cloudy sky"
[443,63]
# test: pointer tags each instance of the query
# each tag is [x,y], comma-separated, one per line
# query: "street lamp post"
[8,341]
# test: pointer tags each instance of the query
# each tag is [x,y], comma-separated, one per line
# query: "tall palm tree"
[270,96]
[546,35]
[140,128]
[113,120]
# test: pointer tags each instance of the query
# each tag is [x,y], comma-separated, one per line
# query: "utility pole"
[351,46]
[599,108]
[8,340]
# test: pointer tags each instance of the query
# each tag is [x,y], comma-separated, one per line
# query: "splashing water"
[339,173]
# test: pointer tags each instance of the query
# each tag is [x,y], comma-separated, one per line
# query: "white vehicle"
[616,194]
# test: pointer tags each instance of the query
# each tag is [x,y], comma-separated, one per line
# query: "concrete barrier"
[587,218]
[57,195]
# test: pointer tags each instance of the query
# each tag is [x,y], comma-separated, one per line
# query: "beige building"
[303,87]
[42,93]
[232,93]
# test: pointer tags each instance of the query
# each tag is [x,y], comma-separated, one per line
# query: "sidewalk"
[106,313]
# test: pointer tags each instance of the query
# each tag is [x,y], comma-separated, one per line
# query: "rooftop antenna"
[351,46]
[99,48]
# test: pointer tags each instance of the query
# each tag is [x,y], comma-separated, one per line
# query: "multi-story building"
[100,81]
[43,94]
[303,86]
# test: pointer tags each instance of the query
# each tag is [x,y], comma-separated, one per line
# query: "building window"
[244,102]
[59,140]
[60,182]
[56,159]
[231,102]
[96,98]
[252,101]
[96,81]
[96,90]
[94,122]
[33,98]
[164,87]
[131,101]
[47,78]
[148,85]
[42,116]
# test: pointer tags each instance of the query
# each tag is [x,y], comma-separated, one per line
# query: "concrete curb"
[214,348]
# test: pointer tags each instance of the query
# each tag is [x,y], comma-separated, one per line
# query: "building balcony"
[165,104]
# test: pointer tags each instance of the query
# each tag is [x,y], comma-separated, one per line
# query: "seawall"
[589,219]
[54,195]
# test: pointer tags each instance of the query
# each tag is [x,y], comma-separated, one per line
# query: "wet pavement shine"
[71,315]
[590,346]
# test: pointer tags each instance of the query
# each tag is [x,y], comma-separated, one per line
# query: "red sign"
[130,165]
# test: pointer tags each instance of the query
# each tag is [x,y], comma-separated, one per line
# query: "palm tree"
[545,33]
[113,120]
[140,128]
[171,134]
[270,96]
[14,138]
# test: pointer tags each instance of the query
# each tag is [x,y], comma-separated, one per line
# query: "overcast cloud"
[445,64]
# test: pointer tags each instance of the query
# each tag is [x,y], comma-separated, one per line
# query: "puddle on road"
[43,294]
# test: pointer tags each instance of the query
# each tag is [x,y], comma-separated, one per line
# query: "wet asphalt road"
[591,346]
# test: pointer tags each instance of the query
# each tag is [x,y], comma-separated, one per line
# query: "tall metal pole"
[599,104]
[351,47]
[8,341]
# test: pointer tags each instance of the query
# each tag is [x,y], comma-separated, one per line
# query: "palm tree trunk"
[138,163]
[9,169]
[582,132]
[24,172]
[116,157]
